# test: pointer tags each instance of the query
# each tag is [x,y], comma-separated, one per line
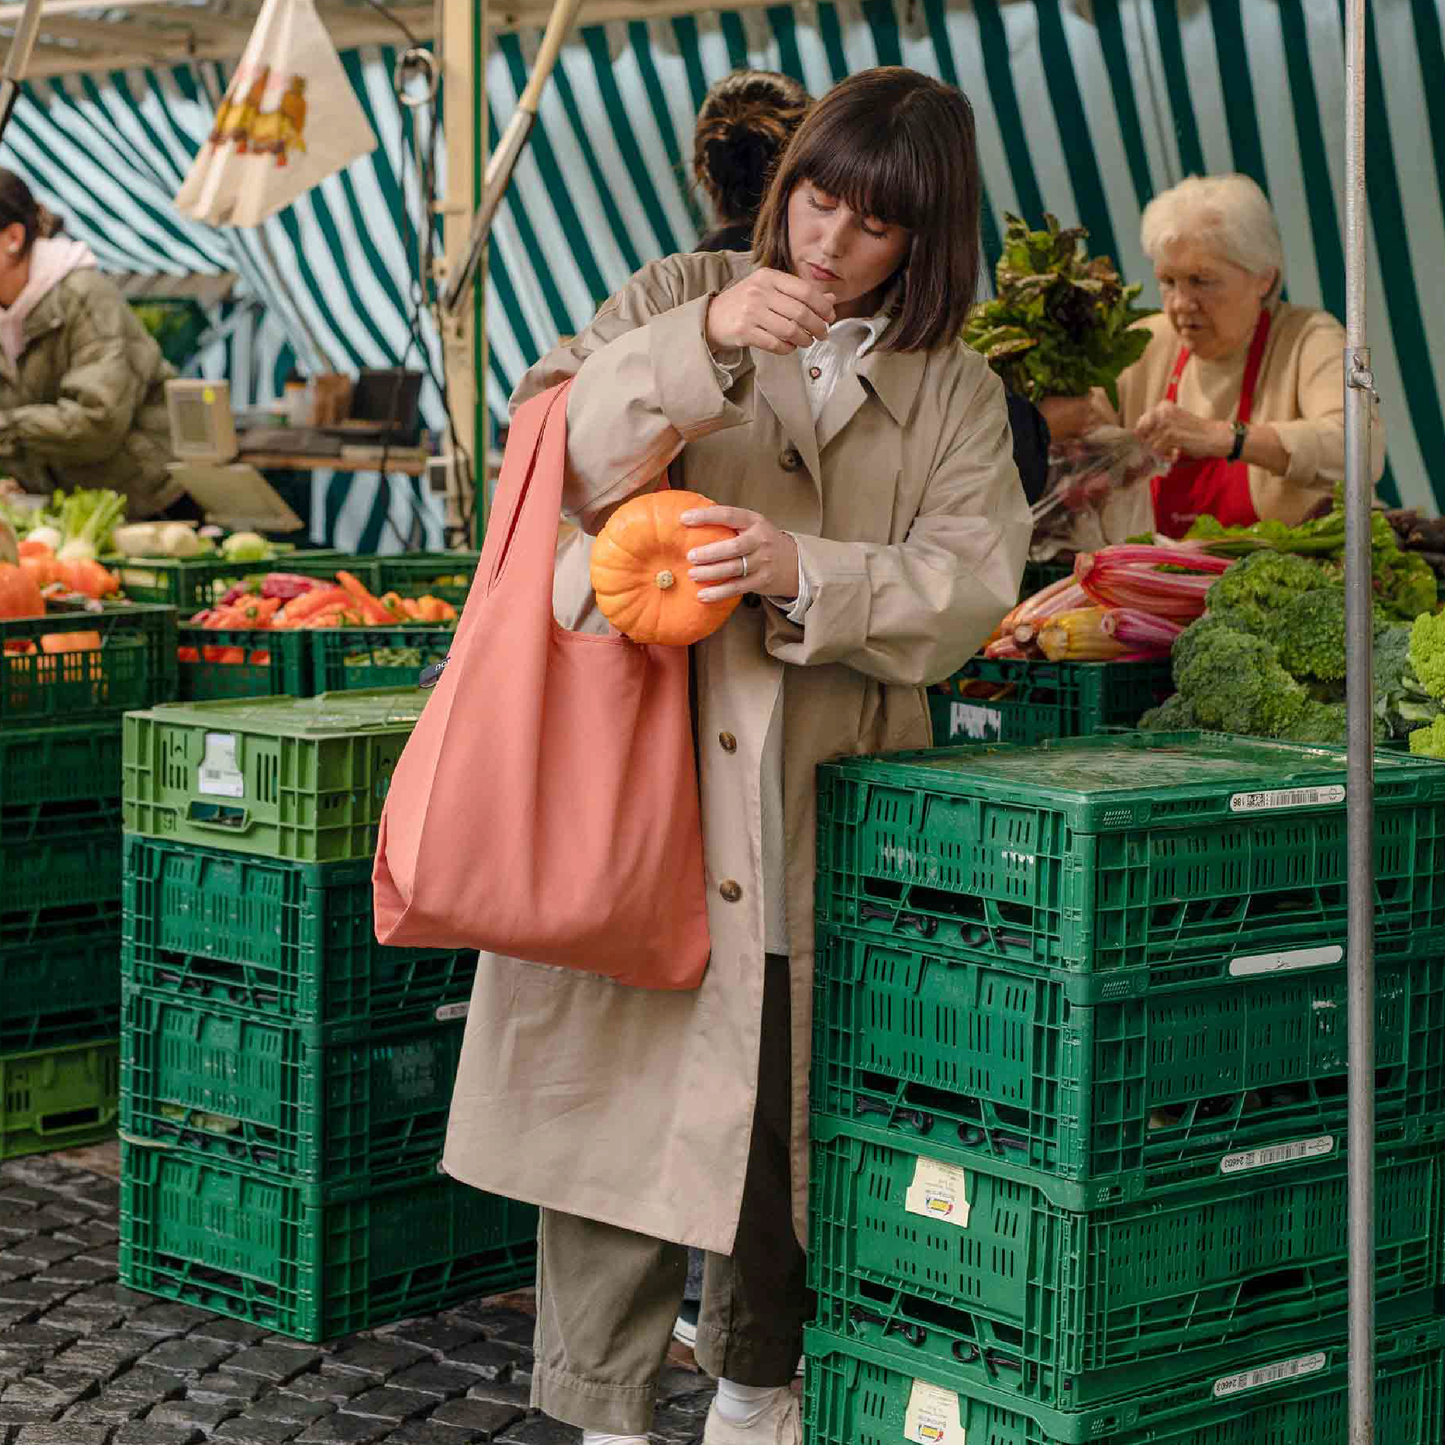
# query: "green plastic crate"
[303,779]
[447,575]
[1151,856]
[59,870]
[134,667]
[1119,1099]
[222,663]
[264,1250]
[293,940]
[1038,575]
[343,658]
[858,1395]
[187,583]
[1082,1308]
[1004,700]
[55,778]
[60,984]
[58,1098]
[344,1118]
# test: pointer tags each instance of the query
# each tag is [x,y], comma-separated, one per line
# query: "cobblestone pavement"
[84,1361]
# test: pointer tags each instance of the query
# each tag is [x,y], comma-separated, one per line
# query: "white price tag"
[1287,798]
[1290,1153]
[448,1011]
[938,1191]
[977,724]
[1282,962]
[1270,1374]
[932,1416]
[220,774]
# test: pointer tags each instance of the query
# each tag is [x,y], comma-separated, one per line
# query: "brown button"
[791,459]
[728,742]
[730,891]
[815,372]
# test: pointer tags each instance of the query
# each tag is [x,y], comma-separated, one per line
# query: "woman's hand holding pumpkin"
[760,558]
[771,310]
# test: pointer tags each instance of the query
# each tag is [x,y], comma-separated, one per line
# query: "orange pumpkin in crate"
[19,593]
[640,566]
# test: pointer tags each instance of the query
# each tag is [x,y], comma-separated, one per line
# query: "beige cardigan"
[1300,392]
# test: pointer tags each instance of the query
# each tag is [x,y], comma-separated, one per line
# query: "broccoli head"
[1173,715]
[1235,683]
[1310,634]
[1427,651]
[1429,741]
[1261,583]
[1320,722]
[1227,619]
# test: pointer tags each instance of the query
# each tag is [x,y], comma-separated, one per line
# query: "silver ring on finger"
[744,561]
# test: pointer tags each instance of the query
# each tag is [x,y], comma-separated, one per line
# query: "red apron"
[1209,486]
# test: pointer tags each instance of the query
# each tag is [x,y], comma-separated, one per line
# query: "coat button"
[730,891]
[791,459]
[728,742]
[815,372]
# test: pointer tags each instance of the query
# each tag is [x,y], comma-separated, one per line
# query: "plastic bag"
[1098,486]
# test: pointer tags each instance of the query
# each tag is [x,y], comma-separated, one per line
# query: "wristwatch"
[1237,450]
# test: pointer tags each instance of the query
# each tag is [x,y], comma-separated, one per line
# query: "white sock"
[598,1437]
[743,1404]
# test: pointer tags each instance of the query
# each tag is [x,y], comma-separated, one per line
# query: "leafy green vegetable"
[89,515]
[1060,323]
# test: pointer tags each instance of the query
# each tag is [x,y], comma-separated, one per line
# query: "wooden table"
[410,466]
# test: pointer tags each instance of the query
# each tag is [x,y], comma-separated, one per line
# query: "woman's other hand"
[771,556]
[1170,431]
[770,310]
[1070,417]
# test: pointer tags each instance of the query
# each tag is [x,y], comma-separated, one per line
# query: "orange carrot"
[372,609]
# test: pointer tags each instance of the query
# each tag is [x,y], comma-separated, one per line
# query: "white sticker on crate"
[220,774]
[448,1011]
[1251,963]
[1270,1374]
[969,720]
[1290,1153]
[1287,798]
[932,1416]
[938,1191]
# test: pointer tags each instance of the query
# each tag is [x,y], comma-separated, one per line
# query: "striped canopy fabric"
[328,279]
[1085,110]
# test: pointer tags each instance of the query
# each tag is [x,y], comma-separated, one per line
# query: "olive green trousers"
[607,1298]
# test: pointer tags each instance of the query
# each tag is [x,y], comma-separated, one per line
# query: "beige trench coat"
[636,1108]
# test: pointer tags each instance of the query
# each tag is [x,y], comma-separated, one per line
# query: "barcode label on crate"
[932,1416]
[448,1011]
[1290,1153]
[978,724]
[1287,798]
[220,775]
[1282,962]
[938,1191]
[1270,1374]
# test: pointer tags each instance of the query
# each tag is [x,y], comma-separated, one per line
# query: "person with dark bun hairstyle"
[744,126]
[82,399]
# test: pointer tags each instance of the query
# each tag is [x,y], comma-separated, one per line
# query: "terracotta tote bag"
[546,807]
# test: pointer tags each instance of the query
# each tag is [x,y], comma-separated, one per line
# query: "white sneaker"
[685,1330]
[780,1424]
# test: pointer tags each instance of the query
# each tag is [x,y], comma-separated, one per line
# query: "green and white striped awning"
[1084,109]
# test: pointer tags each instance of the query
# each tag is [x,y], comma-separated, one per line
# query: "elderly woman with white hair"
[1241,390]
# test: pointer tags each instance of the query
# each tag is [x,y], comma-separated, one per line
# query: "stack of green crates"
[1079,1091]
[65,678]
[285,1079]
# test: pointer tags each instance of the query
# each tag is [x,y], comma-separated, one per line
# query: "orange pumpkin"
[640,566]
[19,593]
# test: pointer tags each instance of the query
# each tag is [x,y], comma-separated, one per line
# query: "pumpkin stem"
[665,579]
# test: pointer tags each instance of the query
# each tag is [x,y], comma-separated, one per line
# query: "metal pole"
[18,61]
[1360,805]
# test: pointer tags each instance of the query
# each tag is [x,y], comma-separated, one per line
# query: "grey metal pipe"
[18,61]
[1360,793]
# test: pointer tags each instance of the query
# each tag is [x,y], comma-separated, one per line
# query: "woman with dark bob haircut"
[816,393]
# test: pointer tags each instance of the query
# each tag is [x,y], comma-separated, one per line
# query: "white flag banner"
[288,120]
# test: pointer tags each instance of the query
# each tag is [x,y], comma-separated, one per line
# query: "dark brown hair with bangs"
[897,145]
